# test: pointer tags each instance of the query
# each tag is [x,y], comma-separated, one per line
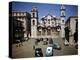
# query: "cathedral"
[50,26]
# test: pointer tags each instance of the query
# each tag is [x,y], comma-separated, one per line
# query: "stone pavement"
[27,49]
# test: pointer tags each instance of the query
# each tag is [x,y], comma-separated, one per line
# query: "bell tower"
[62,19]
[34,20]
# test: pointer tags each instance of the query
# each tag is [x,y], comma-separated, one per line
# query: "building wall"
[71,23]
[72,29]
[47,33]
[48,27]
[16,29]
[25,18]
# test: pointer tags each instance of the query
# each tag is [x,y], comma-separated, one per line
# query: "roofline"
[71,17]
[21,11]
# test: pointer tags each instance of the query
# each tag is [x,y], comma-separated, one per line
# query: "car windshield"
[48,49]
[56,44]
[38,49]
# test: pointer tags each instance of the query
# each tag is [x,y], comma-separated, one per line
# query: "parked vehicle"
[38,52]
[49,51]
[56,46]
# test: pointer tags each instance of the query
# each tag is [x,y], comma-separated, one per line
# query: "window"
[33,22]
[63,14]
[52,22]
[44,22]
[33,14]
[49,21]
[52,30]
[62,21]
[39,33]
[44,32]
[48,32]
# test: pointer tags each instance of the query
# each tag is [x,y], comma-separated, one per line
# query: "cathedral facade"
[50,26]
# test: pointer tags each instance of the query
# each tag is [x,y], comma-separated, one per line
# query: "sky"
[44,8]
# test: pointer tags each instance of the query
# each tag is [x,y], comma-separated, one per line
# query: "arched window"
[48,21]
[63,14]
[44,30]
[33,22]
[33,14]
[52,30]
[62,21]
[48,32]
[52,22]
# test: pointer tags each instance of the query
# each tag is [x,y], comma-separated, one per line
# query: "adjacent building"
[72,24]
[20,25]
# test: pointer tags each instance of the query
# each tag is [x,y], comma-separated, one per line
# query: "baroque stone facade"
[50,26]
